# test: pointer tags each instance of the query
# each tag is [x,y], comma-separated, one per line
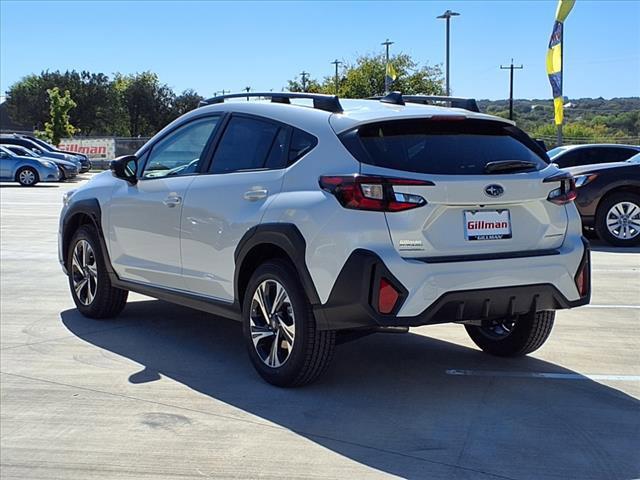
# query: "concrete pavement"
[167,392]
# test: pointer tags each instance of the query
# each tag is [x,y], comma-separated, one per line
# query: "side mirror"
[126,168]
[35,150]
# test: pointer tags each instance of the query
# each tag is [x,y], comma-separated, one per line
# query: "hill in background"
[586,119]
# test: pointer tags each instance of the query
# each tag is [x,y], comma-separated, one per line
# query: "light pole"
[386,77]
[336,62]
[447,16]
[247,89]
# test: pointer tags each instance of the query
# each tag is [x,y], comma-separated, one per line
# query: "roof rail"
[453,102]
[328,103]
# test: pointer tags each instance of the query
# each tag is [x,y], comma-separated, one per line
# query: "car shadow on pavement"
[387,401]
[600,246]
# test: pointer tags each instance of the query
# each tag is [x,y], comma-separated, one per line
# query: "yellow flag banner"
[554,58]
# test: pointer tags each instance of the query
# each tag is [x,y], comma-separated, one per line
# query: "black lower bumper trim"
[350,307]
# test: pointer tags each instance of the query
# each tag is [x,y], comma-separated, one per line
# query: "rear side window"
[301,144]
[439,147]
[250,144]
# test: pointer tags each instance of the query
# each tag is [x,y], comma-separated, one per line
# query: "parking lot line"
[548,375]
[633,307]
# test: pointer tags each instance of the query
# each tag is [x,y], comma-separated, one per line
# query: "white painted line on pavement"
[633,307]
[555,376]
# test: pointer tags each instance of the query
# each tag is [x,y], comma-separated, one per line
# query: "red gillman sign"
[94,148]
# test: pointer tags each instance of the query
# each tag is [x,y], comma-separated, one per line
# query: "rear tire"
[301,352]
[96,297]
[513,339]
[612,212]
[27,177]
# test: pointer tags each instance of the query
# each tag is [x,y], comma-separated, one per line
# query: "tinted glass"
[179,152]
[277,155]
[617,154]
[301,144]
[570,159]
[245,145]
[462,147]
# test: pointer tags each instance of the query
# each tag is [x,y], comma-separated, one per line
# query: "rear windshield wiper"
[509,166]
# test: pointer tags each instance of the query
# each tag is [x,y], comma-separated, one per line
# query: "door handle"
[172,200]
[255,194]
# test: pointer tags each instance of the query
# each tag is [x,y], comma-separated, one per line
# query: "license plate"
[487,224]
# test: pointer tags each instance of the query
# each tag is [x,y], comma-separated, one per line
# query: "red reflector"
[387,297]
[582,279]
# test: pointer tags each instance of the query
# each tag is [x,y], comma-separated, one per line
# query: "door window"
[250,144]
[180,152]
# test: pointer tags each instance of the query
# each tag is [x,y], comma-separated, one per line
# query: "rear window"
[456,147]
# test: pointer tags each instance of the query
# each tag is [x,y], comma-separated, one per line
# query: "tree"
[59,127]
[185,102]
[147,103]
[365,78]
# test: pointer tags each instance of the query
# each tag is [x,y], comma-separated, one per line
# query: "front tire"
[89,281]
[27,177]
[618,219]
[279,328]
[506,338]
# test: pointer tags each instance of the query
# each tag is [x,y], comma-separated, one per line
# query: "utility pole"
[304,76]
[247,89]
[511,68]
[336,62]
[447,16]
[386,78]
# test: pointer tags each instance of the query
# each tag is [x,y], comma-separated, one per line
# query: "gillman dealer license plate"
[487,224]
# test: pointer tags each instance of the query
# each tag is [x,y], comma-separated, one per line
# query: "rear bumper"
[351,304]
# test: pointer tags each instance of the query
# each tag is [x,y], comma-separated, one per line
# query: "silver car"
[27,171]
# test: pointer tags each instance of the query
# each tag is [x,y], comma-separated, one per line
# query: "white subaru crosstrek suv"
[321,219]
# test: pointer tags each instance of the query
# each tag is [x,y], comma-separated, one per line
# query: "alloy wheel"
[84,272]
[623,220]
[272,323]
[27,177]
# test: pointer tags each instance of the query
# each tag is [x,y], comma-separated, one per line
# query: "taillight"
[373,193]
[565,194]
[387,296]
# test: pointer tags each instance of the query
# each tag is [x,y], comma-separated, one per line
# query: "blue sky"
[209,46]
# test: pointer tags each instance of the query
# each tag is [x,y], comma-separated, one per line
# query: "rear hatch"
[484,186]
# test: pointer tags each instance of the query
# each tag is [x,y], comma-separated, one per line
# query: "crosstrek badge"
[487,224]
[410,245]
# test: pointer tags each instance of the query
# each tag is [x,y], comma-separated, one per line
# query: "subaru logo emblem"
[493,190]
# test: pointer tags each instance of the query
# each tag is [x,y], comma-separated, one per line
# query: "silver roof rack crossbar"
[454,102]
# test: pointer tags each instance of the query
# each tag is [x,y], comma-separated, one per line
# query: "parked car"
[609,200]
[576,155]
[68,170]
[84,160]
[13,139]
[354,216]
[26,170]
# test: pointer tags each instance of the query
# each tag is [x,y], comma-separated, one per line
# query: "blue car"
[27,171]
[67,169]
